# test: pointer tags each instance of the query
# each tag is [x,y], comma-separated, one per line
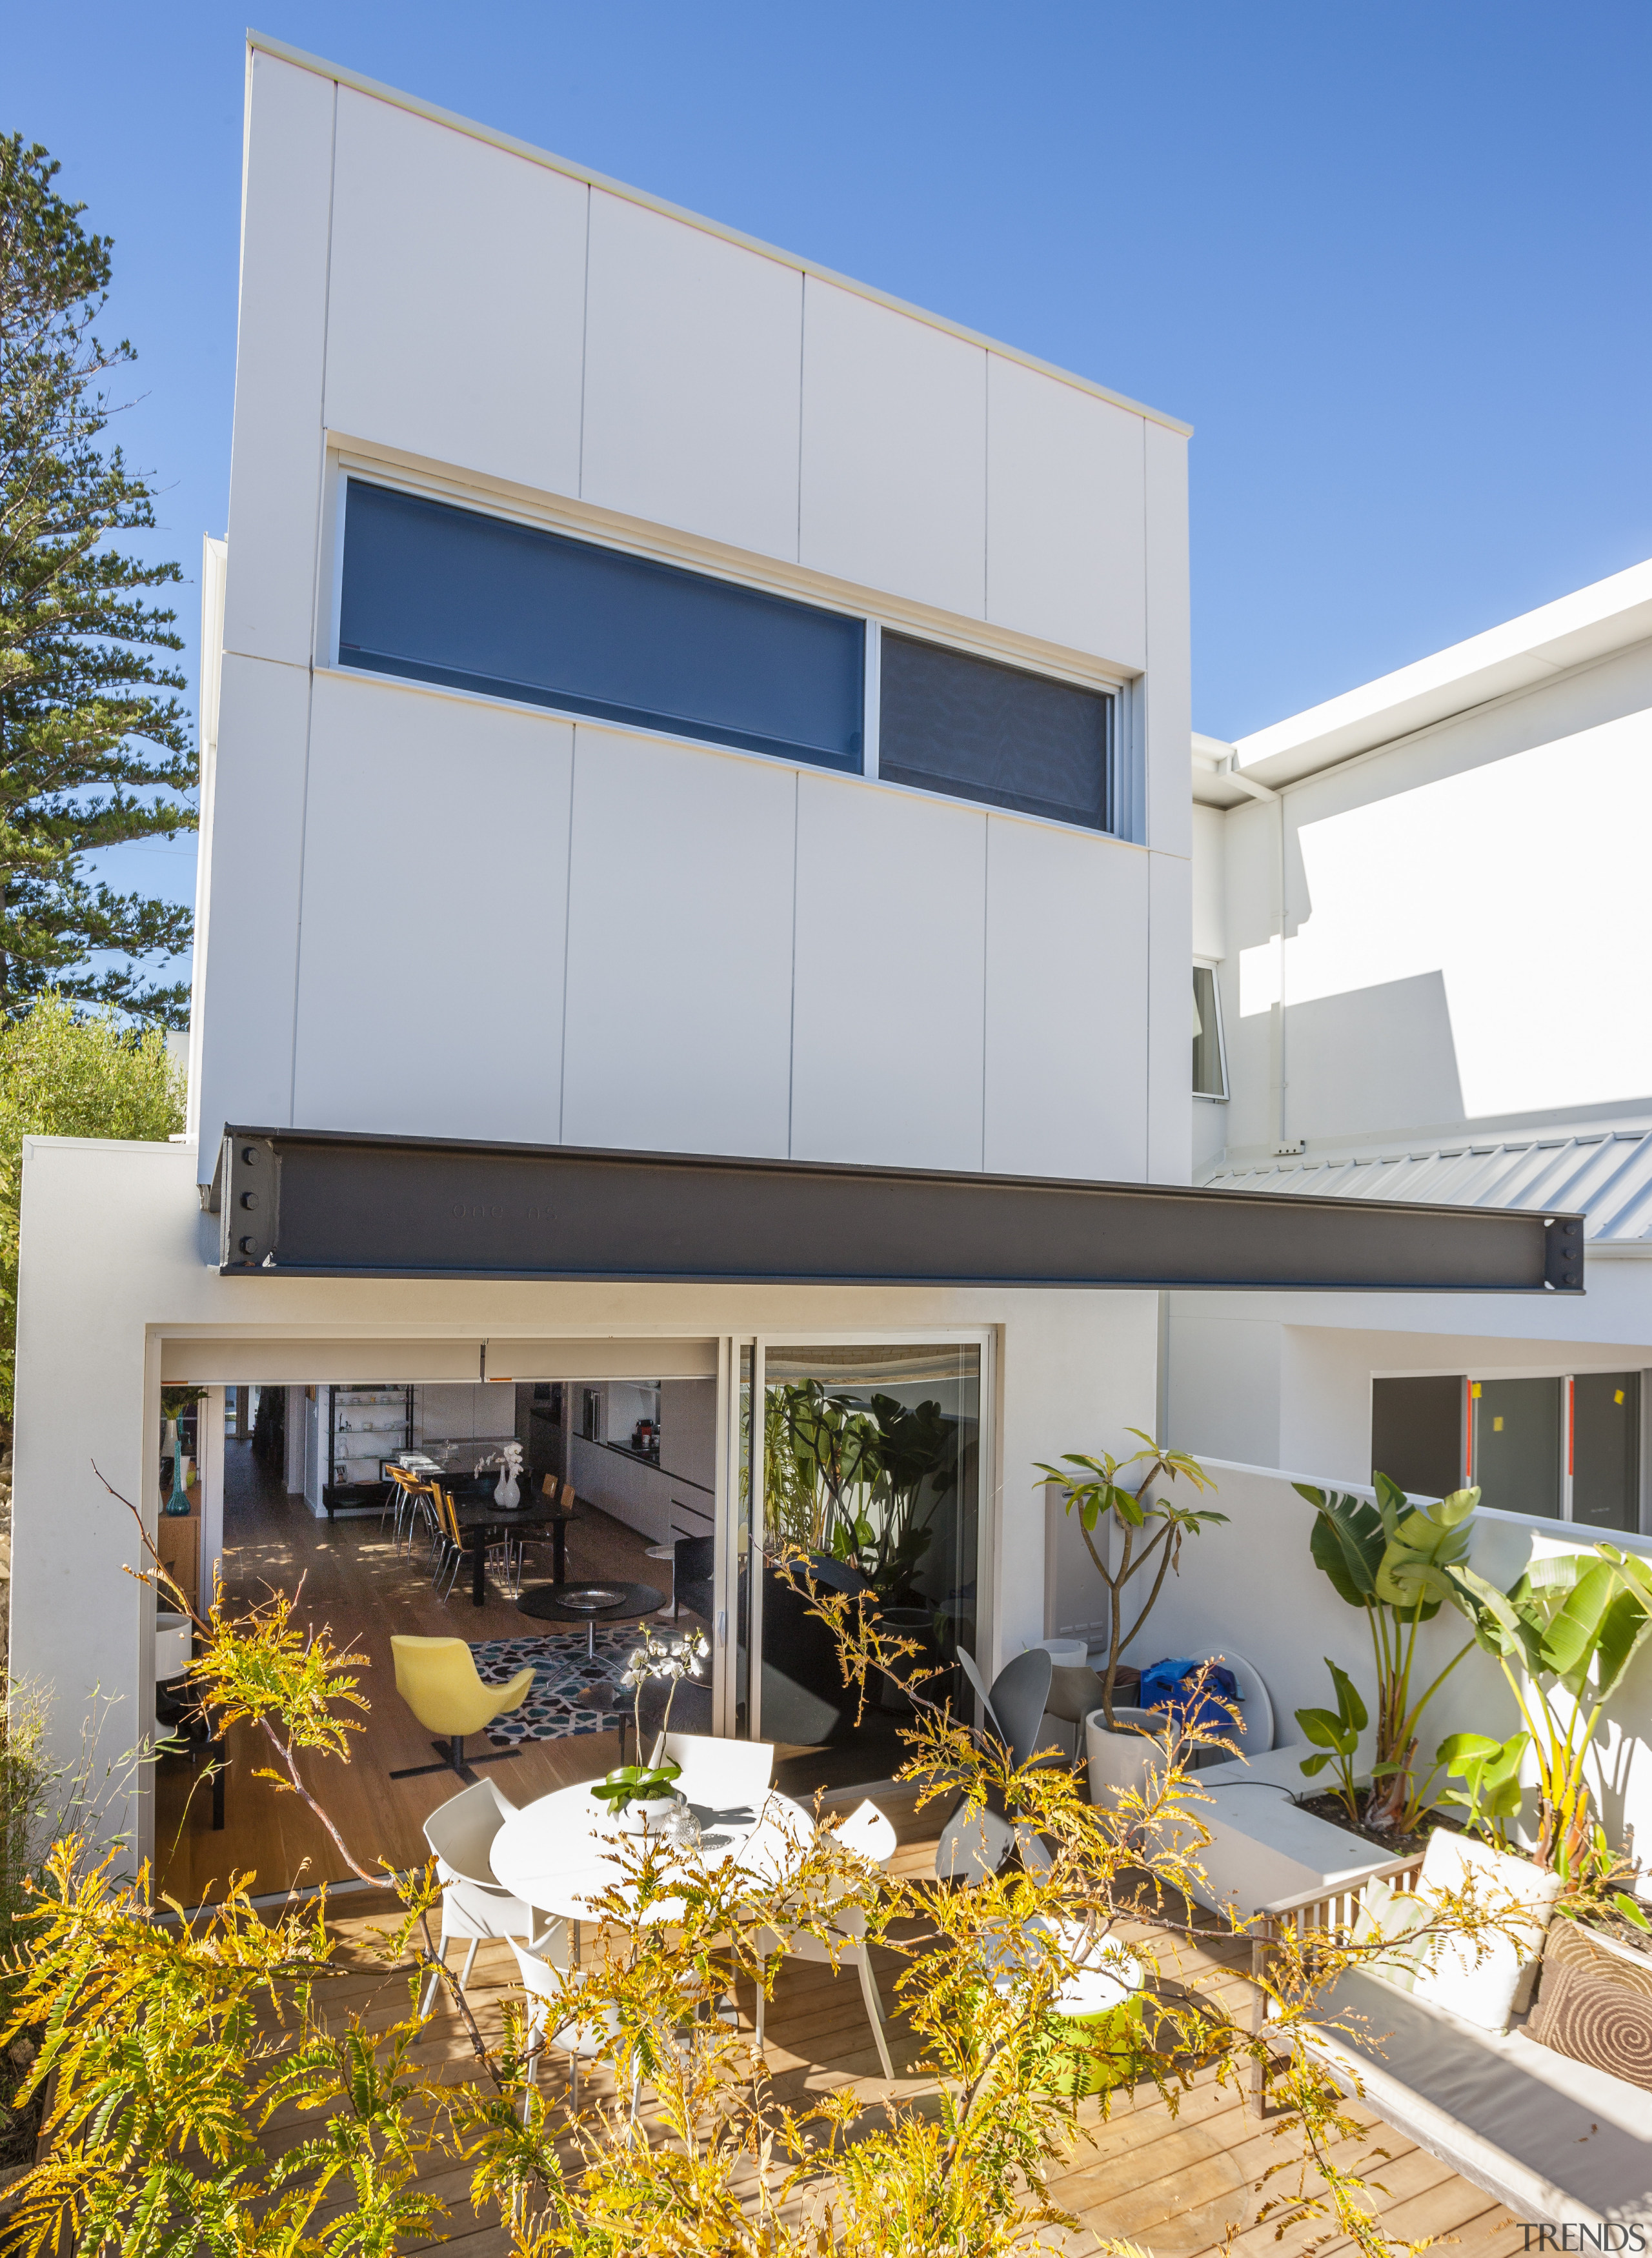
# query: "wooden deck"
[1180,2182]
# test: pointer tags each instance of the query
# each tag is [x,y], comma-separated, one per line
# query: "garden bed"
[1334,1812]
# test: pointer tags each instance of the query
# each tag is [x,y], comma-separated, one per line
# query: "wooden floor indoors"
[1175,2183]
[351,1578]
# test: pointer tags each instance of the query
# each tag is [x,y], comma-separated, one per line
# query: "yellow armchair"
[436,1678]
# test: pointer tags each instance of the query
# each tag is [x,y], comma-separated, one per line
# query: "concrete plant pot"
[1120,1761]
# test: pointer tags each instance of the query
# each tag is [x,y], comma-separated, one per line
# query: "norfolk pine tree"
[94,747]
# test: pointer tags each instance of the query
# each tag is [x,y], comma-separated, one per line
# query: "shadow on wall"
[1373,1059]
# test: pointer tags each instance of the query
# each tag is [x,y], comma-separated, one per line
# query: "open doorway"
[290,1487]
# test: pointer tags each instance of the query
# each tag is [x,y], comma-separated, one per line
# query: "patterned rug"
[573,1691]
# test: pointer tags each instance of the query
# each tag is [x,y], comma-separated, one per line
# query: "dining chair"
[869,1835]
[728,1775]
[454,1551]
[437,1679]
[474,1905]
[518,1540]
[401,1502]
[581,2040]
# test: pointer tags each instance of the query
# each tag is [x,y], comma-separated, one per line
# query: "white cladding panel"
[1066,500]
[434,915]
[693,361]
[1170,1003]
[257,857]
[1169,685]
[887,1051]
[894,451]
[456,306]
[679,949]
[1066,1003]
[276,463]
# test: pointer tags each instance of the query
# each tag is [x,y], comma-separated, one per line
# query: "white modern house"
[1420,912]
[697,877]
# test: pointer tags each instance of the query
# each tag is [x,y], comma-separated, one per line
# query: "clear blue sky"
[1392,261]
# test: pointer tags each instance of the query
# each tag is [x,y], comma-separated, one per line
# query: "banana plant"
[1564,1636]
[1395,1560]
[1336,1733]
[1489,1769]
[1092,1489]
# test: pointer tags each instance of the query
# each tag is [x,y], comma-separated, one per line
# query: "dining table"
[560,1853]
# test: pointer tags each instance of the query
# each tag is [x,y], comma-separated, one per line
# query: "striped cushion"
[1568,1945]
[1591,2016]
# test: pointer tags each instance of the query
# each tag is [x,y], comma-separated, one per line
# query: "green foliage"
[94,747]
[1564,1635]
[628,1784]
[1336,1733]
[64,1076]
[1098,1496]
[1489,1769]
[1397,1563]
[170,2046]
[859,1479]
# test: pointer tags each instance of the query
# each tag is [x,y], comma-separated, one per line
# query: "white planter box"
[1263,1847]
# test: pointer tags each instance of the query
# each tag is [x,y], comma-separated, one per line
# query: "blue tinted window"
[978,730]
[448,595]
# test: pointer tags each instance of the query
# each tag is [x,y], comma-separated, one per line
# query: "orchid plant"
[672,1660]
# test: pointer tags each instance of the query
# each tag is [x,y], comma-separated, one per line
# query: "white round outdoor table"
[562,1852]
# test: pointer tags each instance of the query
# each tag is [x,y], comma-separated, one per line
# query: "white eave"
[1589,624]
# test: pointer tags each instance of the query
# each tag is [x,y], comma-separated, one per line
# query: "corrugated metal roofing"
[1607,1176]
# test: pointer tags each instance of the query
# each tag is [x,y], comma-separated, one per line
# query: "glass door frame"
[724,1645]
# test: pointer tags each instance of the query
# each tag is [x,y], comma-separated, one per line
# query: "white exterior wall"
[1070,1371]
[1252,1587]
[611,939]
[1463,922]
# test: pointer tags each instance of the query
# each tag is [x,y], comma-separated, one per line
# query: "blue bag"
[1167,1685]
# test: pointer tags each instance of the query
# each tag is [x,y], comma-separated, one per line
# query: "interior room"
[290,1488]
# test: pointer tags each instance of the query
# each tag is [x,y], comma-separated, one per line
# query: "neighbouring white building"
[1422,908]
[697,873]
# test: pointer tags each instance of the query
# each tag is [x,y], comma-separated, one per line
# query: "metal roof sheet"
[1606,1175]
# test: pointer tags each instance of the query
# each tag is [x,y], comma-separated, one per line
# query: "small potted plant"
[1125,1743]
[639,1794]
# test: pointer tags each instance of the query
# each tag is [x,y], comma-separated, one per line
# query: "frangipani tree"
[1150,1528]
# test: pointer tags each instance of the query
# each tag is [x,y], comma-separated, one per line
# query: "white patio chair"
[718,1774]
[474,1907]
[579,2041]
[971,1850]
[868,1832]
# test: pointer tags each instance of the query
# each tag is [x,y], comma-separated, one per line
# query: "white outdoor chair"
[474,1907]
[580,2041]
[972,1850]
[718,1774]
[868,1832]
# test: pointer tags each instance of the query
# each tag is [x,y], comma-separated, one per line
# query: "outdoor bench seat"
[1559,2141]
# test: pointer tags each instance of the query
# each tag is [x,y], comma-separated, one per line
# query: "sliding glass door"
[861,1464]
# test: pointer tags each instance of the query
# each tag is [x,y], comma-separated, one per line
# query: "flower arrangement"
[674,1660]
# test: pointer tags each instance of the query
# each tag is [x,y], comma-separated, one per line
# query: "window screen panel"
[1207,1079]
[1517,1437]
[1416,1433]
[1606,1449]
[969,727]
[474,602]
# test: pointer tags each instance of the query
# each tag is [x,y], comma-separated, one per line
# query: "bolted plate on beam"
[329,1204]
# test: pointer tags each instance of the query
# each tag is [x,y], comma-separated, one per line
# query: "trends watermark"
[1583,2239]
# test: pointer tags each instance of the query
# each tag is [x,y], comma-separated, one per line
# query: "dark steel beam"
[317,1204]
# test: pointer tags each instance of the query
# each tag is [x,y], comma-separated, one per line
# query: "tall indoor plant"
[1151,1530]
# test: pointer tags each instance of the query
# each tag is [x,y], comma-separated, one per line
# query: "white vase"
[638,1818]
[508,1495]
[1121,1762]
